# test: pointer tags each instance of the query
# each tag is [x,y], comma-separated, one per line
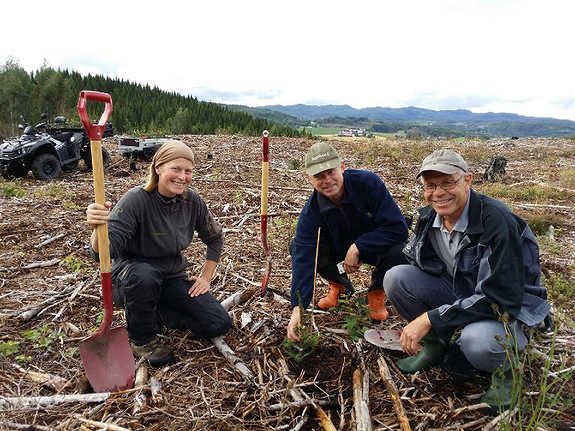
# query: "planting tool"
[264,209]
[106,354]
[386,338]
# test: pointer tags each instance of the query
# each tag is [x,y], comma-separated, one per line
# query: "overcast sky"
[491,55]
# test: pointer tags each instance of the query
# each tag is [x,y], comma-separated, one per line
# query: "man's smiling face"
[447,203]
[329,183]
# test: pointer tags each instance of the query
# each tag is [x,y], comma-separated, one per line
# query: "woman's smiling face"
[174,177]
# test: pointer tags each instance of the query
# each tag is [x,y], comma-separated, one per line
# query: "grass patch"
[12,189]
[51,189]
[535,193]
[76,264]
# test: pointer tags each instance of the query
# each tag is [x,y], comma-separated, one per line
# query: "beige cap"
[444,161]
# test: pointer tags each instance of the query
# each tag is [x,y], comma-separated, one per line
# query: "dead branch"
[506,414]
[27,427]
[360,403]
[141,381]
[47,303]
[538,206]
[156,389]
[296,405]
[238,297]
[50,240]
[299,395]
[230,355]
[253,283]
[42,264]
[103,425]
[394,394]
[51,381]
[54,400]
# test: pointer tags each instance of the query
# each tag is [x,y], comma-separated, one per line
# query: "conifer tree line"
[137,109]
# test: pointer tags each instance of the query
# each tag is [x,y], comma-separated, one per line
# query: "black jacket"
[497,262]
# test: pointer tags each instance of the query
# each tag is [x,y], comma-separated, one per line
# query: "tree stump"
[496,169]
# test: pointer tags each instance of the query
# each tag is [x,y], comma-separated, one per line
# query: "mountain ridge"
[409,113]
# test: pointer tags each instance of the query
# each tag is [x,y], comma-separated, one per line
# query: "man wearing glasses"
[471,261]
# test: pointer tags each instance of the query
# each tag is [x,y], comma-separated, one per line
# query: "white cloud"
[484,55]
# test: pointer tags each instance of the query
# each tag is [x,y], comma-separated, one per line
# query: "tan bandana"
[172,150]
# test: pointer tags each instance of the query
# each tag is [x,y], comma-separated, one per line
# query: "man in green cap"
[468,255]
[360,223]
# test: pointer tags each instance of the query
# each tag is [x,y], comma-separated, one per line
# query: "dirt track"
[50,288]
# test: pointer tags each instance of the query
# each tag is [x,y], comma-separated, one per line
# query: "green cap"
[321,157]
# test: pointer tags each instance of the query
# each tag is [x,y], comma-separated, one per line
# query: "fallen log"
[49,401]
[394,394]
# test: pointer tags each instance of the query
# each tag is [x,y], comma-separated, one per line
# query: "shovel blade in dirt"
[386,338]
[108,360]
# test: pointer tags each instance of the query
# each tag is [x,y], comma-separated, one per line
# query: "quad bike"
[47,150]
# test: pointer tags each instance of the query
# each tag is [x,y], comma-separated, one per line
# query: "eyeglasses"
[446,185]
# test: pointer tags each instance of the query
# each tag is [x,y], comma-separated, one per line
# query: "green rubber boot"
[432,354]
[500,394]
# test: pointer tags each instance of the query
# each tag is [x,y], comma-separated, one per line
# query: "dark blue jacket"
[497,263]
[376,215]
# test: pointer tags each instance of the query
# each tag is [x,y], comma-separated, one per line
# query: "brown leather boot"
[376,304]
[331,300]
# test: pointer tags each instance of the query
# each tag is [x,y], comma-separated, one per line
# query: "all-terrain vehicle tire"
[46,166]
[88,159]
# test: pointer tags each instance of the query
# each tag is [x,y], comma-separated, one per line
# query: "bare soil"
[50,296]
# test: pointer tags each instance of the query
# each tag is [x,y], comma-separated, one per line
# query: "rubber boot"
[376,305]
[500,394]
[332,298]
[432,354]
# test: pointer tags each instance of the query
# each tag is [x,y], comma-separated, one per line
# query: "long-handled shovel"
[264,209]
[106,354]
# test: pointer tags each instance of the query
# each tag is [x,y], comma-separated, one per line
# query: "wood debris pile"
[50,300]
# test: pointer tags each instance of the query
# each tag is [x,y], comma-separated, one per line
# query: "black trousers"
[149,300]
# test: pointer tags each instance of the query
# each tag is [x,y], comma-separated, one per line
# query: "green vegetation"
[41,337]
[51,189]
[9,348]
[138,109]
[76,264]
[12,189]
[356,316]
[535,193]
[309,340]
[324,130]
[539,407]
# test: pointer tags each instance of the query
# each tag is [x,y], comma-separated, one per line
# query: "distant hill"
[270,115]
[411,113]
[459,121]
